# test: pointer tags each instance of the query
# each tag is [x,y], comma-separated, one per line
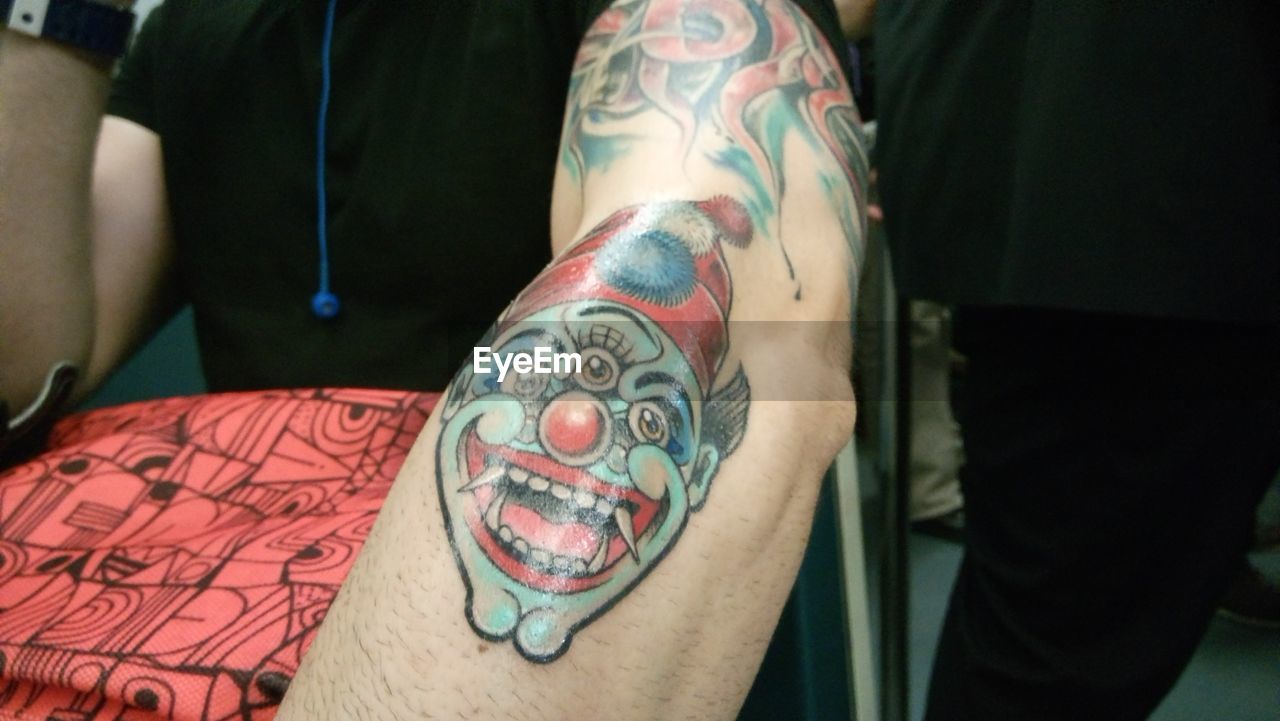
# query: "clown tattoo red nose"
[573,428]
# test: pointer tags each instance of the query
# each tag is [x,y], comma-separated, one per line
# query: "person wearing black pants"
[1096,187]
[1113,466]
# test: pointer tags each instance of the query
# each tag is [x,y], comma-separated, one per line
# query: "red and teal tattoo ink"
[562,491]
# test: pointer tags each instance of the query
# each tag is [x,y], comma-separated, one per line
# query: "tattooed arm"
[555,546]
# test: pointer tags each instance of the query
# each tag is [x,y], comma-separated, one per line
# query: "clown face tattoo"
[561,491]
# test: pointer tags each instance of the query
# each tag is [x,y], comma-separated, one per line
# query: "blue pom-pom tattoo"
[653,265]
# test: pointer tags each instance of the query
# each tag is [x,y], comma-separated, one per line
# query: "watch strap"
[92,26]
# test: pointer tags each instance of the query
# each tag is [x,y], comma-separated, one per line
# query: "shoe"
[947,527]
[1252,600]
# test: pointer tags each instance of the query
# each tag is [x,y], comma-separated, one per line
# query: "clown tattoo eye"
[599,369]
[649,423]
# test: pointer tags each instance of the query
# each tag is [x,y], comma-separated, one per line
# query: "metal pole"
[895,578]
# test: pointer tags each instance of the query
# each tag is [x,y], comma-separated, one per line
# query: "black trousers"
[1113,469]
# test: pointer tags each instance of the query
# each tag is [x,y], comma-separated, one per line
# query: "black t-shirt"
[444,123]
[1102,156]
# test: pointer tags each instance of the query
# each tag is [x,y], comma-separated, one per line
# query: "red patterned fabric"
[173,559]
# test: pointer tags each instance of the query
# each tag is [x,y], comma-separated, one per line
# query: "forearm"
[686,643]
[630,567]
[51,101]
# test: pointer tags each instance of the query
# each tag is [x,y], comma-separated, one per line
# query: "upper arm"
[132,247]
[684,100]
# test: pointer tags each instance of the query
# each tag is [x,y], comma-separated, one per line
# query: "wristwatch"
[84,24]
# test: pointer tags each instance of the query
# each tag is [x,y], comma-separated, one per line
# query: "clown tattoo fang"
[560,492]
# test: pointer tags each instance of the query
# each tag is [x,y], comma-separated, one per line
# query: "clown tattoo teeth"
[561,491]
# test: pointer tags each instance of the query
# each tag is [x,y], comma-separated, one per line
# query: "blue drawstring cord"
[324,304]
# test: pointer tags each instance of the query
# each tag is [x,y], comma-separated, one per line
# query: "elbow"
[830,415]
[803,372]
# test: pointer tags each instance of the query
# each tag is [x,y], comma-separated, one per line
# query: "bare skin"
[856,17]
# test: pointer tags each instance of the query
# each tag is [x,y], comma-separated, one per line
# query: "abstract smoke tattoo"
[735,79]
[560,492]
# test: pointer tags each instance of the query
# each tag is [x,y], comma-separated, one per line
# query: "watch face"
[25,16]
